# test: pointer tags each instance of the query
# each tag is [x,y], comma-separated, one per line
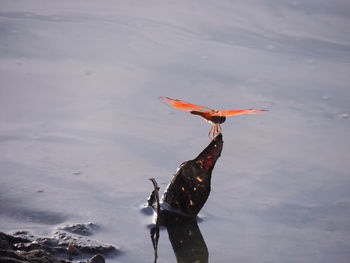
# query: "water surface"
[82,130]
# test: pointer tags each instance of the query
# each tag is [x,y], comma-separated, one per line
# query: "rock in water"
[190,186]
[81,229]
[9,253]
[29,248]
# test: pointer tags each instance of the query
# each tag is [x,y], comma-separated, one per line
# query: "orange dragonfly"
[214,117]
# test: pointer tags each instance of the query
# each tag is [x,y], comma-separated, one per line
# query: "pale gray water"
[82,130]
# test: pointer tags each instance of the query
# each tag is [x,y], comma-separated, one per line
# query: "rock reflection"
[182,200]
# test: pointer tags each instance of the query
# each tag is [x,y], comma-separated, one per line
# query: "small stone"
[97,259]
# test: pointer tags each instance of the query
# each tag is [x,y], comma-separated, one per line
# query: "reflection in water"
[186,239]
[181,202]
[188,242]
[155,238]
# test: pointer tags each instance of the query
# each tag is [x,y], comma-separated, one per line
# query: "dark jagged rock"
[18,237]
[190,187]
[22,246]
[60,242]
[10,254]
[4,244]
[33,256]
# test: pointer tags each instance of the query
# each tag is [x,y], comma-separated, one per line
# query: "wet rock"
[23,245]
[38,256]
[27,246]
[7,254]
[21,232]
[4,244]
[83,244]
[60,242]
[81,229]
[97,259]
[20,237]
[9,242]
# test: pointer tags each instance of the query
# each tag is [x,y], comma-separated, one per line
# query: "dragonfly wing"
[181,105]
[239,112]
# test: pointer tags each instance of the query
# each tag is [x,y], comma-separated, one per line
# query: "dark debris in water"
[190,186]
[184,197]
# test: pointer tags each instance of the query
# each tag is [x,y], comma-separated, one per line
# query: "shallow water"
[82,130]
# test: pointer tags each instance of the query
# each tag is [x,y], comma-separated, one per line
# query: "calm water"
[82,130]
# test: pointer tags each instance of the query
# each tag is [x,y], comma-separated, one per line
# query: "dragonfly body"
[212,118]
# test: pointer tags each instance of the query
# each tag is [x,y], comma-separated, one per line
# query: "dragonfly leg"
[215,130]
[210,131]
[220,129]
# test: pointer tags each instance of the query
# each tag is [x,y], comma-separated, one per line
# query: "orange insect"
[214,117]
